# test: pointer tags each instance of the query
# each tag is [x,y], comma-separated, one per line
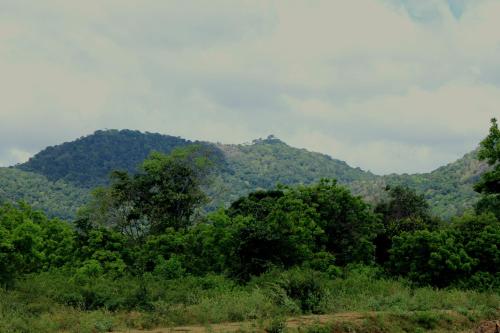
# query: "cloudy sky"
[386,85]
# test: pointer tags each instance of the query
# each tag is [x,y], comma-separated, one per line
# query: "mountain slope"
[448,189]
[56,198]
[71,169]
[87,161]
[267,162]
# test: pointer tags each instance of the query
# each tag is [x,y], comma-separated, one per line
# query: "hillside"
[448,189]
[58,178]
[87,161]
[267,162]
[57,198]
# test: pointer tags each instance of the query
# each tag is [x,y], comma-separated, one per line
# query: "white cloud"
[391,85]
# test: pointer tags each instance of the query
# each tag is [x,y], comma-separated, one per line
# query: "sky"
[398,86]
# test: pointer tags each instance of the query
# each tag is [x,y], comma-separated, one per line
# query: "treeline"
[150,223]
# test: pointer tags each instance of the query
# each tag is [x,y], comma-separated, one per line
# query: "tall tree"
[404,211]
[164,194]
[489,184]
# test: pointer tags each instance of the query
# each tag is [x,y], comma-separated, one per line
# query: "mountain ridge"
[80,165]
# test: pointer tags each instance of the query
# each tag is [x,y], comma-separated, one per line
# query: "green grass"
[51,302]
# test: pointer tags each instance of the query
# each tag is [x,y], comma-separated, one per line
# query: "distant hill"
[87,161]
[68,171]
[267,162]
[448,189]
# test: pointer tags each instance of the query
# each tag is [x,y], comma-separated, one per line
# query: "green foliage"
[426,257]
[101,250]
[277,325]
[31,242]
[489,203]
[283,237]
[267,162]
[164,194]
[469,247]
[480,235]
[404,211]
[141,247]
[75,167]
[348,224]
[57,199]
[308,289]
[53,301]
[316,225]
[404,204]
[490,146]
[88,161]
[489,184]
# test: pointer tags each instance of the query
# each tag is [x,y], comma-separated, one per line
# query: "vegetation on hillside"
[448,189]
[57,198]
[238,171]
[139,255]
[88,161]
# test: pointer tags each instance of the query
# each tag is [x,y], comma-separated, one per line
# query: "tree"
[489,184]
[404,211]
[165,194]
[435,258]
[30,242]
[284,238]
[480,235]
[348,223]
[311,225]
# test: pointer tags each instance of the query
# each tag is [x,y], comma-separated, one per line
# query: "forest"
[144,252]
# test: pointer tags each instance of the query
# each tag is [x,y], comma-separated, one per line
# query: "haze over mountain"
[59,179]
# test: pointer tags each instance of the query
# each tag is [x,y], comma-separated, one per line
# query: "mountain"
[87,161]
[59,178]
[267,162]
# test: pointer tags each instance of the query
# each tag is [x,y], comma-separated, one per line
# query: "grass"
[52,302]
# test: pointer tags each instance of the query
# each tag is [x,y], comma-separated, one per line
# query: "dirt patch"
[291,323]
[489,327]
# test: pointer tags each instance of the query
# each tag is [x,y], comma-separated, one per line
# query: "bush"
[304,287]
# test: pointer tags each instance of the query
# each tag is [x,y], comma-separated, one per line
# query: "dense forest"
[59,179]
[143,251]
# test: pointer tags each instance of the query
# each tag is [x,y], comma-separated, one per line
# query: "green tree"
[347,221]
[489,184]
[30,242]
[266,229]
[314,225]
[435,258]
[480,235]
[404,211]
[166,193]
[101,250]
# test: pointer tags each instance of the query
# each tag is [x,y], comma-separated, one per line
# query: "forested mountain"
[58,179]
[267,162]
[87,161]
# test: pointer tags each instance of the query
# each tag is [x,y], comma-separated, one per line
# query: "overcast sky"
[386,85]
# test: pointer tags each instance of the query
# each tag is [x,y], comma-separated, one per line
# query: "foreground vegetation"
[51,302]
[141,254]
